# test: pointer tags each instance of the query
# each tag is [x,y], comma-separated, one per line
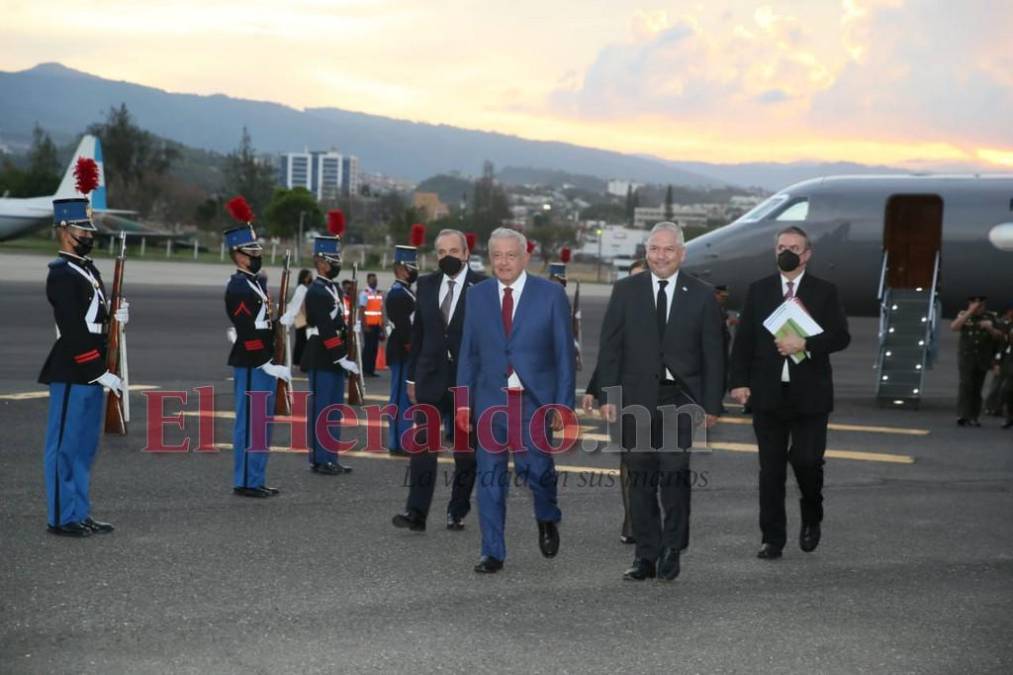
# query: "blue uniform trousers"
[328,388]
[72,433]
[532,467]
[399,398]
[249,463]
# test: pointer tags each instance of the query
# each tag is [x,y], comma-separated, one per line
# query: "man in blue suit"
[516,353]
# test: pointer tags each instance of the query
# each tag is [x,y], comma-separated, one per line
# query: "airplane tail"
[90,146]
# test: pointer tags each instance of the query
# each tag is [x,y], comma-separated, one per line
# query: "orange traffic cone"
[381,358]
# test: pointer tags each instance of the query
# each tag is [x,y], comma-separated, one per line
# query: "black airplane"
[906,248]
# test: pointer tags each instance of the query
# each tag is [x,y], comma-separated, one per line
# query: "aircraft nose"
[1001,236]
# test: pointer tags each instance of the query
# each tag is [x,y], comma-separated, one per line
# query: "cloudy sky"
[911,82]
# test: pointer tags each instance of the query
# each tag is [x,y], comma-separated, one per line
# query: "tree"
[610,213]
[669,211]
[283,213]
[551,236]
[41,177]
[490,206]
[248,176]
[132,157]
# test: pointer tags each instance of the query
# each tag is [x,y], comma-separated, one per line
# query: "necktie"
[508,310]
[661,307]
[791,291]
[448,301]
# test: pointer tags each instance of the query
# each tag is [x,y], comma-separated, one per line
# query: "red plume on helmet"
[336,222]
[531,247]
[418,235]
[471,238]
[86,173]
[564,255]
[240,210]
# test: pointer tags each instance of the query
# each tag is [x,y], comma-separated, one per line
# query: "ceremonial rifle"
[116,355]
[356,390]
[283,402]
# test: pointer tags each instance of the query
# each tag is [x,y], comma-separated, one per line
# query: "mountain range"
[65,101]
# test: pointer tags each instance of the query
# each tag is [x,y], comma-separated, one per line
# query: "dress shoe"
[327,469]
[258,493]
[809,538]
[488,565]
[642,569]
[1008,424]
[97,526]
[962,421]
[668,564]
[271,490]
[70,530]
[769,552]
[410,520]
[627,540]
[548,538]
[454,523]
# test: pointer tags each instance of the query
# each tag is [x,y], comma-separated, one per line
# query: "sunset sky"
[902,82]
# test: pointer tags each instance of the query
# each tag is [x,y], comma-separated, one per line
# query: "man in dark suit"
[677,364]
[516,348]
[791,402]
[432,371]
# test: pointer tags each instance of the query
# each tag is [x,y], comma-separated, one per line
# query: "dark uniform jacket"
[400,305]
[248,307]
[82,321]
[436,346]
[977,347]
[756,364]
[325,326]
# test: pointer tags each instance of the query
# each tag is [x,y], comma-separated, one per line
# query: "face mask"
[255,264]
[372,285]
[412,276]
[450,265]
[82,245]
[788,261]
[333,271]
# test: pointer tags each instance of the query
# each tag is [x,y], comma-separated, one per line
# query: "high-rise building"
[294,170]
[326,178]
[349,175]
[326,173]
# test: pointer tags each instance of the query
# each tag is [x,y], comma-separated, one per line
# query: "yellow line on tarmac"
[886,457]
[29,395]
[904,431]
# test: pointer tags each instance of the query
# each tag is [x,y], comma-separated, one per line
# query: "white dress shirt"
[785,375]
[669,294]
[458,286]
[514,382]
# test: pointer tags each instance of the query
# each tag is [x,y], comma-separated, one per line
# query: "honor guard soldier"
[75,372]
[326,359]
[400,309]
[249,308]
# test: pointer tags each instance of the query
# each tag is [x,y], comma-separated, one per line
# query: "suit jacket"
[756,364]
[325,312]
[539,349]
[248,309]
[436,346]
[631,355]
[399,306]
[79,307]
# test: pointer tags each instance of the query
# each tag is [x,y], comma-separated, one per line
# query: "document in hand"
[791,318]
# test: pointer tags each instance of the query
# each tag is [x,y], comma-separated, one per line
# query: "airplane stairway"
[907,322]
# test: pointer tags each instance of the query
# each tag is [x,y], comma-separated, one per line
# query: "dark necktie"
[790,293]
[661,307]
[448,301]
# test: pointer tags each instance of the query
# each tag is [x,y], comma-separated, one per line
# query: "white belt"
[262,325]
[311,331]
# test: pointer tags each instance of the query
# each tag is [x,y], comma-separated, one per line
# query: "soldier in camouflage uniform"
[976,352]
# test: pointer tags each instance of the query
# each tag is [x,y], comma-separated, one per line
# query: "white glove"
[348,365]
[111,382]
[357,328]
[286,319]
[279,372]
[230,334]
[123,313]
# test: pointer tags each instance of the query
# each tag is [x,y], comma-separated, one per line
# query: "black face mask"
[450,265]
[788,261]
[82,245]
[412,276]
[372,285]
[255,264]
[333,271]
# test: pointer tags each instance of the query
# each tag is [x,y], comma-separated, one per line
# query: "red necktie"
[508,310]
[791,291]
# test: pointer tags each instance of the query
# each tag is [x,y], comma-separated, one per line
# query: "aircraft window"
[797,212]
[763,209]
